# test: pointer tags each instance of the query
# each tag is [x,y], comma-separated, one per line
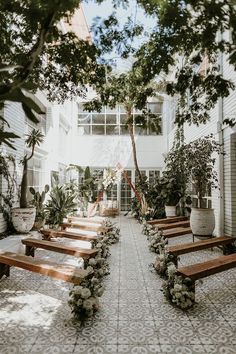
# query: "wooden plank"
[177,250]
[202,270]
[87,220]
[66,234]
[60,247]
[173,225]
[179,231]
[87,227]
[64,272]
[167,220]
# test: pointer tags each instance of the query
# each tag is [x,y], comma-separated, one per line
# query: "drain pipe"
[220,132]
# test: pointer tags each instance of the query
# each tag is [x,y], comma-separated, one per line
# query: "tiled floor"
[134,316]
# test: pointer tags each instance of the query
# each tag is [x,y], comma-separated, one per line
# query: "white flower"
[178,287]
[92,262]
[79,302]
[85,293]
[88,304]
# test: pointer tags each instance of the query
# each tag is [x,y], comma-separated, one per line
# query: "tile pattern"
[134,317]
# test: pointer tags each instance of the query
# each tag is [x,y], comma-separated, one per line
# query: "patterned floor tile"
[15,349]
[177,332]
[214,332]
[55,349]
[220,349]
[95,349]
[138,349]
[99,333]
[183,349]
[140,332]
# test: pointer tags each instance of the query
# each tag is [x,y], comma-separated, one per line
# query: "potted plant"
[170,192]
[24,216]
[60,204]
[175,180]
[201,160]
[38,202]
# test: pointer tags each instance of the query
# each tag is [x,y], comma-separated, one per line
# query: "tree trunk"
[131,133]
[23,188]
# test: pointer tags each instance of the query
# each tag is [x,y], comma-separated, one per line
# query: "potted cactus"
[38,202]
[23,217]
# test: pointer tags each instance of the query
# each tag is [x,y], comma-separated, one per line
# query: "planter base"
[23,219]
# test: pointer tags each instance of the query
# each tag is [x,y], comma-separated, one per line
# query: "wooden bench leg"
[229,249]
[4,270]
[29,251]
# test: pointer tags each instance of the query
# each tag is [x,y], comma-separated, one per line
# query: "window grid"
[111,122]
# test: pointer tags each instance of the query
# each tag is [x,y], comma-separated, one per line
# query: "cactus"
[38,201]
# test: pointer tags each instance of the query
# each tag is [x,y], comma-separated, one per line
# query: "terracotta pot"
[170,211]
[202,222]
[23,219]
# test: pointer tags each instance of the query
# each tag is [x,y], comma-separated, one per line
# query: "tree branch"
[32,55]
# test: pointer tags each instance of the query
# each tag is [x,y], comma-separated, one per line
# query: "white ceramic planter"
[170,211]
[3,224]
[23,219]
[202,222]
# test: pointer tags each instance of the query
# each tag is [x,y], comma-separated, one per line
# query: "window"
[112,121]
[153,176]
[207,202]
[35,175]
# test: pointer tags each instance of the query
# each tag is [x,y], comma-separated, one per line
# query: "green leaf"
[29,113]
[5,137]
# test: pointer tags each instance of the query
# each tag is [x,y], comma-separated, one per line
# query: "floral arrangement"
[102,247]
[112,236]
[84,298]
[162,261]
[110,177]
[157,241]
[178,290]
[146,228]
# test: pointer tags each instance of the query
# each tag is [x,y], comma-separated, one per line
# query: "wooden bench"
[87,220]
[173,225]
[202,270]
[32,243]
[167,220]
[64,272]
[178,250]
[81,226]
[179,231]
[50,233]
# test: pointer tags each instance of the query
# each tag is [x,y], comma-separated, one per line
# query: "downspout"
[221,156]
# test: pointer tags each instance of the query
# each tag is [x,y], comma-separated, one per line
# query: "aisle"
[134,316]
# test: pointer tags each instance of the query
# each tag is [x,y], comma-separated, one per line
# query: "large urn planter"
[23,219]
[202,222]
[170,211]
[3,224]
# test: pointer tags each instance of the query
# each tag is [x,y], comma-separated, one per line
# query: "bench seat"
[178,231]
[204,269]
[64,272]
[173,225]
[177,250]
[167,220]
[32,243]
[49,233]
[87,220]
[81,226]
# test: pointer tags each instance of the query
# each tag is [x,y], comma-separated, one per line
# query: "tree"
[128,90]
[37,54]
[193,30]
[187,33]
